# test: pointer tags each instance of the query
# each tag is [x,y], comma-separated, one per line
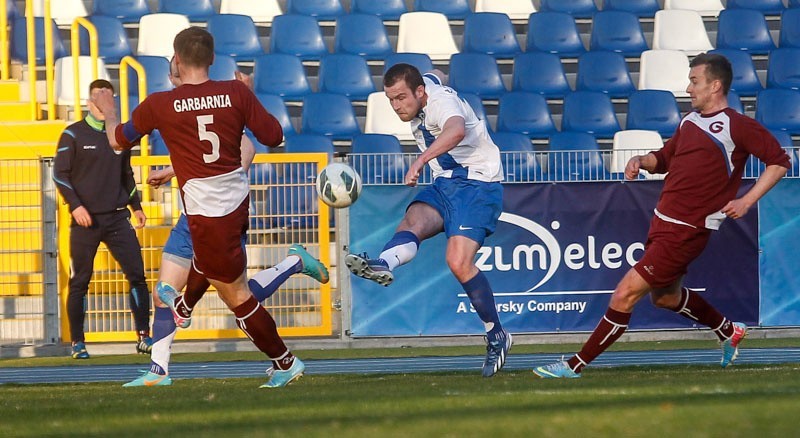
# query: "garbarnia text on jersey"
[202,103]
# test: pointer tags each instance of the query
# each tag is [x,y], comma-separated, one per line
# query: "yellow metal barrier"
[49,62]
[124,103]
[31,44]
[75,36]
[5,61]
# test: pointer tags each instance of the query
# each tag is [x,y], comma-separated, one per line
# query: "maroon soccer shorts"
[669,250]
[218,249]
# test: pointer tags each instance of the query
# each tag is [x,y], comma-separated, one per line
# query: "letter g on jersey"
[716,127]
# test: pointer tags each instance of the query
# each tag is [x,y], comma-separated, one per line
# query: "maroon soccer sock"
[196,286]
[259,326]
[608,330]
[694,307]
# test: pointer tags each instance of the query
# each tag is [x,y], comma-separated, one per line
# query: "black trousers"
[115,230]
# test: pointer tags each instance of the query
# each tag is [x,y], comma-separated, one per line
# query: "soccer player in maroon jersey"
[705,159]
[202,122]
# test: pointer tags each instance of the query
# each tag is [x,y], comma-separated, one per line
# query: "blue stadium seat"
[298,35]
[745,79]
[790,28]
[157,144]
[275,105]
[319,9]
[157,75]
[617,31]
[329,114]
[196,10]
[783,70]
[361,34]
[19,40]
[794,3]
[11,11]
[540,72]
[476,73]
[282,75]
[112,40]
[491,33]
[735,102]
[653,110]
[223,69]
[642,8]
[308,142]
[127,11]
[591,112]
[600,70]
[452,9]
[389,167]
[768,7]
[554,32]
[744,29]
[243,44]
[476,104]
[389,10]
[575,156]
[421,61]
[525,113]
[518,156]
[779,109]
[346,74]
[576,8]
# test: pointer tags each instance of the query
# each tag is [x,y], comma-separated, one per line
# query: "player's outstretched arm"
[160,176]
[640,162]
[739,207]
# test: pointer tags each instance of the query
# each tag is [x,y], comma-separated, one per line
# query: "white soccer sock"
[162,350]
[399,255]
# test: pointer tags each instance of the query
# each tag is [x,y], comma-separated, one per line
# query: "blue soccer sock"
[480,295]
[164,330]
[264,283]
[400,249]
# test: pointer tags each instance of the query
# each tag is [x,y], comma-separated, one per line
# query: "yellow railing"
[75,35]
[4,46]
[31,44]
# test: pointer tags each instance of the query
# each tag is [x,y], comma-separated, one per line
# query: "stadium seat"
[276,107]
[126,11]
[381,118]
[282,75]
[519,159]
[679,29]
[112,40]
[452,9]
[261,11]
[361,34]
[706,8]
[346,74]
[476,104]
[664,70]
[790,28]
[735,102]
[653,110]
[617,31]
[421,61]
[554,32]
[426,32]
[156,72]
[784,139]
[476,73]
[223,69]
[768,7]
[387,167]
[591,112]
[779,109]
[607,72]
[525,113]
[291,199]
[19,40]
[196,10]
[576,8]
[783,70]
[326,10]
[794,4]
[388,10]
[540,72]
[307,142]
[63,12]
[745,79]
[491,33]
[157,144]
[632,142]
[297,35]
[640,8]
[157,31]
[744,29]
[515,9]
[574,156]
[11,11]
[64,77]
[329,114]
[243,44]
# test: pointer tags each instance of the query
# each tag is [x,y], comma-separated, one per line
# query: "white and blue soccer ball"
[338,185]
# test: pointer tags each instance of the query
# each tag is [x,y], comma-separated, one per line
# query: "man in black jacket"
[98,185]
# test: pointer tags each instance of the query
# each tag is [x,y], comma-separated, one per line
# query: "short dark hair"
[717,68]
[405,72]
[100,83]
[195,46]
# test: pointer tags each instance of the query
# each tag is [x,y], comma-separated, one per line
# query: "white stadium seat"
[664,70]
[633,142]
[678,29]
[63,12]
[515,9]
[261,11]
[706,8]
[157,31]
[426,32]
[381,118]
[64,78]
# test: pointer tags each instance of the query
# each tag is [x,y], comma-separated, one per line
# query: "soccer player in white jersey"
[465,199]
